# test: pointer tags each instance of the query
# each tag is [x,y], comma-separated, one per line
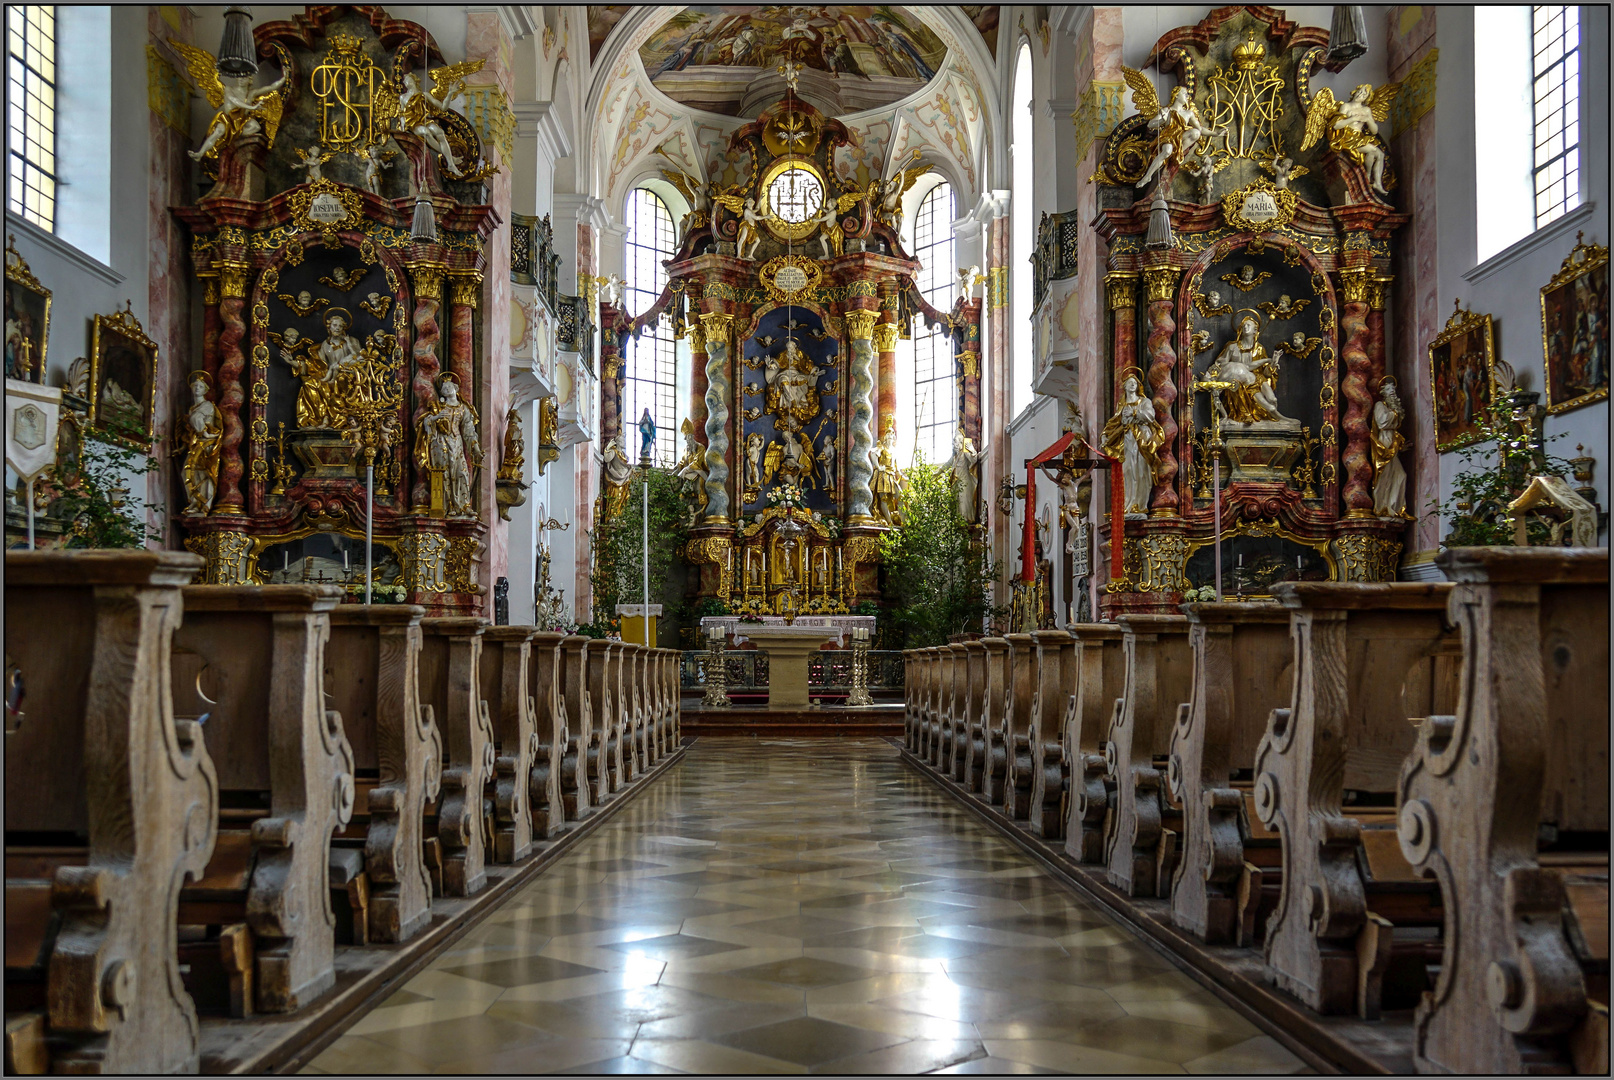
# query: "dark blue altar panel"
[821,346]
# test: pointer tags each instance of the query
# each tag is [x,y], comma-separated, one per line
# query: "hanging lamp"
[238,54]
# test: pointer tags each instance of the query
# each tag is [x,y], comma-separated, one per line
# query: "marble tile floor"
[791,906]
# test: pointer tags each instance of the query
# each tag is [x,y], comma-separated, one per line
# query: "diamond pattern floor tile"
[799,905]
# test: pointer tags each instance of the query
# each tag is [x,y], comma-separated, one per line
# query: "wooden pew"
[1045,738]
[577,759]
[655,706]
[1100,664]
[621,715]
[994,762]
[1505,804]
[605,745]
[372,678]
[969,743]
[550,732]
[636,721]
[910,697]
[506,657]
[251,660]
[1019,672]
[451,684]
[1159,671]
[1243,661]
[930,702]
[110,804]
[1367,659]
[955,686]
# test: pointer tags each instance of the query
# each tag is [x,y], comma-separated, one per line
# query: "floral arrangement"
[1200,595]
[379,594]
[787,497]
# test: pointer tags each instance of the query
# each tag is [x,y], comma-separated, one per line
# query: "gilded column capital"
[885,337]
[233,279]
[427,279]
[1160,282]
[1121,289]
[716,324]
[697,337]
[997,286]
[860,324]
[1378,291]
[970,360]
[467,288]
[1355,282]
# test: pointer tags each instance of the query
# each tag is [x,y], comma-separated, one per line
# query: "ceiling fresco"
[855,57]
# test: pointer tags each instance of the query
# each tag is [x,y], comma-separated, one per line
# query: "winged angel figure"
[241,109]
[1352,126]
[1177,127]
[420,110]
[697,193]
[889,207]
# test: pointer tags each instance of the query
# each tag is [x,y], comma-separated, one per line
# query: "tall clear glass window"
[1022,234]
[31,113]
[935,390]
[652,366]
[1555,43]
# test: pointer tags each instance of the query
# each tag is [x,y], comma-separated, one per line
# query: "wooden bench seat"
[969,747]
[372,678]
[250,659]
[1159,671]
[1504,803]
[550,731]
[577,760]
[604,761]
[1020,680]
[1099,664]
[95,759]
[1367,658]
[506,690]
[451,686]
[1045,751]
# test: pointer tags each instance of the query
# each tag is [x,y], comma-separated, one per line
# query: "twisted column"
[717,327]
[698,382]
[612,377]
[859,470]
[885,345]
[233,285]
[1354,388]
[427,280]
[1161,283]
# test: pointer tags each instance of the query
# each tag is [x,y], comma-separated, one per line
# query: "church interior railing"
[829,670]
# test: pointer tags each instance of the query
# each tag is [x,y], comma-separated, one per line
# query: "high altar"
[341,253]
[1249,239]
[793,290]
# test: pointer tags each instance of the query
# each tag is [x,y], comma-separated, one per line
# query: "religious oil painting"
[123,364]
[1462,357]
[27,321]
[1574,330]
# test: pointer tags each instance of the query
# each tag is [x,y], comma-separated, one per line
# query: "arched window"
[935,392]
[652,365]
[1023,155]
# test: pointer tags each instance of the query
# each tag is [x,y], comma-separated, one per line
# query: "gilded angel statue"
[888,208]
[1352,126]
[698,194]
[241,109]
[1178,127]
[744,208]
[420,108]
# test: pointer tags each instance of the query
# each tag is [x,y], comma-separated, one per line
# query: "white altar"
[839,627]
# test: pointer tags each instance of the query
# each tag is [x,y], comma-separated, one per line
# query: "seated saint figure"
[1250,393]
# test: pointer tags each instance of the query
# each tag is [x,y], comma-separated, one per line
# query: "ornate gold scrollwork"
[1259,207]
[1164,556]
[427,279]
[790,278]
[1160,282]
[1121,289]
[1364,557]
[467,288]
[1354,283]
[885,336]
[231,558]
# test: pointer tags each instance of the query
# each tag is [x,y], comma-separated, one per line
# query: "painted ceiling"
[857,57]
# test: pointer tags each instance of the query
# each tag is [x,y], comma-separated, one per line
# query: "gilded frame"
[1459,411]
[1582,277]
[120,347]
[24,291]
[781,228]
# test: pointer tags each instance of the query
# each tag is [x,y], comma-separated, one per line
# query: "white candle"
[285,559]
[344,559]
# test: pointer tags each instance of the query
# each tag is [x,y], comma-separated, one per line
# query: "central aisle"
[794,906]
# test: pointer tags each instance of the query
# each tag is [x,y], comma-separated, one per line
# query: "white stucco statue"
[966,472]
[1134,437]
[1389,475]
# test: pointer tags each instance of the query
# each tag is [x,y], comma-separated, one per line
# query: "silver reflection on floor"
[800,905]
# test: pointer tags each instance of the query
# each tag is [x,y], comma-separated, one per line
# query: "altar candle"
[344,560]
[285,560]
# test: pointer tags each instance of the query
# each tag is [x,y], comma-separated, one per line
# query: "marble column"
[426,278]
[1161,283]
[233,282]
[968,372]
[885,346]
[1355,389]
[859,469]
[612,378]
[718,327]
[697,381]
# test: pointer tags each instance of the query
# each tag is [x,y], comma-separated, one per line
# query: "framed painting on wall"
[123,369]
[1574,329]
[1462,359]
[27,319]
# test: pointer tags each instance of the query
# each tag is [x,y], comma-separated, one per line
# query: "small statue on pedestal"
[204,428]
[448,448]
[1389,475]
[1134,436]
[887,477]
[647,435]
[966,474]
